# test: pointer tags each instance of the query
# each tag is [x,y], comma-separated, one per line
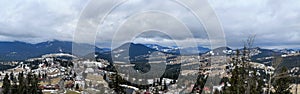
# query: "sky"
[275,23]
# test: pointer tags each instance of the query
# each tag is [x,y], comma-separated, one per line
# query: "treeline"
[247,79]
[23,84]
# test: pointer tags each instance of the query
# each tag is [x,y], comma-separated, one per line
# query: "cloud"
[124,12]
[38,20]
[276,24]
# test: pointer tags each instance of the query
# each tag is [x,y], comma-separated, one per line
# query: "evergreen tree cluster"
[22,84]
[245,79]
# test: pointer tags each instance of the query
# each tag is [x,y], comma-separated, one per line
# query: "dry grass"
[53,81]
[71,92]
[94,77]
[293,90]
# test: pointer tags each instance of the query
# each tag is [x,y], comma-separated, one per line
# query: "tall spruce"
[201,80]
[165,86]
[6,84]
[29,80]
[22,86]
[236,81]
[245,78]
[282,82]
[35,85]
[14,86]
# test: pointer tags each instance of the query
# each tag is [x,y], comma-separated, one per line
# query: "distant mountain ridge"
[171,50]
[132,52]
[15,51]
[178,50]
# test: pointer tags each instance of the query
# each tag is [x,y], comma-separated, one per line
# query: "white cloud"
[38,20]
[275,23]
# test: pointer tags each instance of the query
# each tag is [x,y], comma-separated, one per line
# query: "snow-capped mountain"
[221,51]
[173,49]
[285,51]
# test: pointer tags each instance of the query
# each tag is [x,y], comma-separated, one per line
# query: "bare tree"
[247,51]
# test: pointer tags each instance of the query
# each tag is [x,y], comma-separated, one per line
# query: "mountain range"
[179,50]
[14,51]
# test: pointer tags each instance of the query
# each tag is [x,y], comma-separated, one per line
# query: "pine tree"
[160,81]
[29,81]
[77,87]
[21,87]
[104,77]
[157,81]
[255,84]
[39,75]
[11,76]
[283,82]
[156,91]
[245,78]
[90,83]
[6,84]
[153,84]
[35,85]
[237,82]
[14,89]
[74,75]
[14,86]
[116,80]
[165,85]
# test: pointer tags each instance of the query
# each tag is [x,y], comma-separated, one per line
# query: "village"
[65,73]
